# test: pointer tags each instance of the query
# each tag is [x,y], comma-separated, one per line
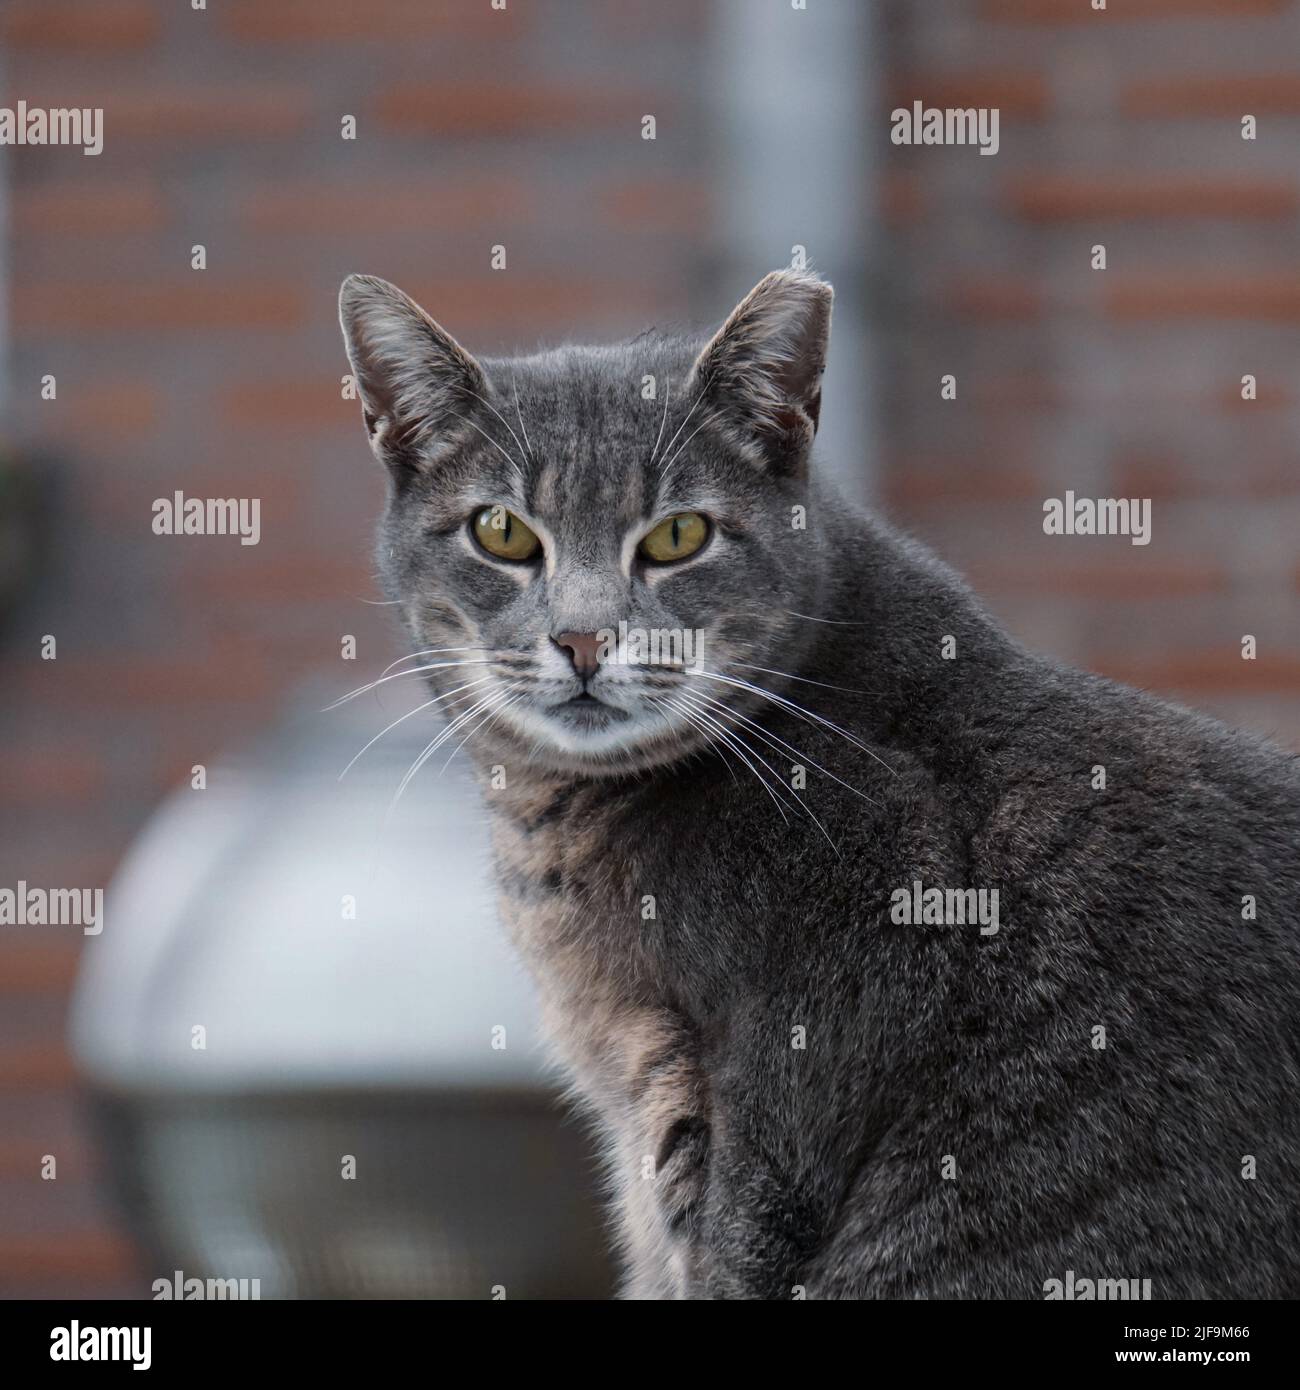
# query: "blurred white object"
[229,914]
[370,1113]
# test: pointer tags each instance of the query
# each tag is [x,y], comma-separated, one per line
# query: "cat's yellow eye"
[676,538]
[501,533]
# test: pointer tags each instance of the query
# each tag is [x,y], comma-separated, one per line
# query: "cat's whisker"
[397,675]
[666,710]
[773,740]
[749,666]
[790,790]
[429,651]
[833,622]
[401,719]
[434,744]
[659,439]
[714,739]
[681,448]
[519,472]
[794,708]
[723,746]
[528,444]
[682,426]
[509,697]
[801,711]
[703,722]
[503,420]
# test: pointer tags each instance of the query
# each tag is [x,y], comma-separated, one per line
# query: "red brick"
[520,108]
[655,19]
[228,673]
[902,198]
[1276,93]
[1251,478]
[292,404]
[1081,12]
[992,296]
[192,115]
[1191,295]
[1205,671]
[1025,390]
[47,1124]
[921,489]
[194,300]
[99,409]
[356,207]
[1016,94]
[80,1255]
[40,1065]
[659,204]
[1065,198]
[1111,574]
[126,498]
[515,303]
[284,576]
[960,481]
[97,207]
[73,25]
[30,967]
[346,21]
[22,1158]
[1268,396]
[47,774]
[46,865]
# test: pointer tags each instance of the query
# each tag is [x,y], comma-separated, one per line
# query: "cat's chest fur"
[668,891]
[654,913]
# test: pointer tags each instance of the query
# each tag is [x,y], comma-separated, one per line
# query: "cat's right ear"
[761,374]
[415,381]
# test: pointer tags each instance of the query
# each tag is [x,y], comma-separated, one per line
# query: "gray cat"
[893,960]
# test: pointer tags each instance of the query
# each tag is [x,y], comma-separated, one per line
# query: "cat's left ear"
[415,380]
[762,371]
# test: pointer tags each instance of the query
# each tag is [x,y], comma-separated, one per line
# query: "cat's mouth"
[590,734]
[587,711]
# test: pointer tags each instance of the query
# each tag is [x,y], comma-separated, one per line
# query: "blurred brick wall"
[1120,128]
[475,127]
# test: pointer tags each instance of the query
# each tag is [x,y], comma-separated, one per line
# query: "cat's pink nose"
[583,649]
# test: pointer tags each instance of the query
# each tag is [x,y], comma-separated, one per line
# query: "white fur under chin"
[641,735]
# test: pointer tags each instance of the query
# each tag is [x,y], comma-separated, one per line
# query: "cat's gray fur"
[951,1126]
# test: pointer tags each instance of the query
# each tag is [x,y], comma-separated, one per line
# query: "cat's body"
[1119,909]
[798,1090]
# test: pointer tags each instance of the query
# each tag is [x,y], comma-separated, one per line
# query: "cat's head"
[597,549]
